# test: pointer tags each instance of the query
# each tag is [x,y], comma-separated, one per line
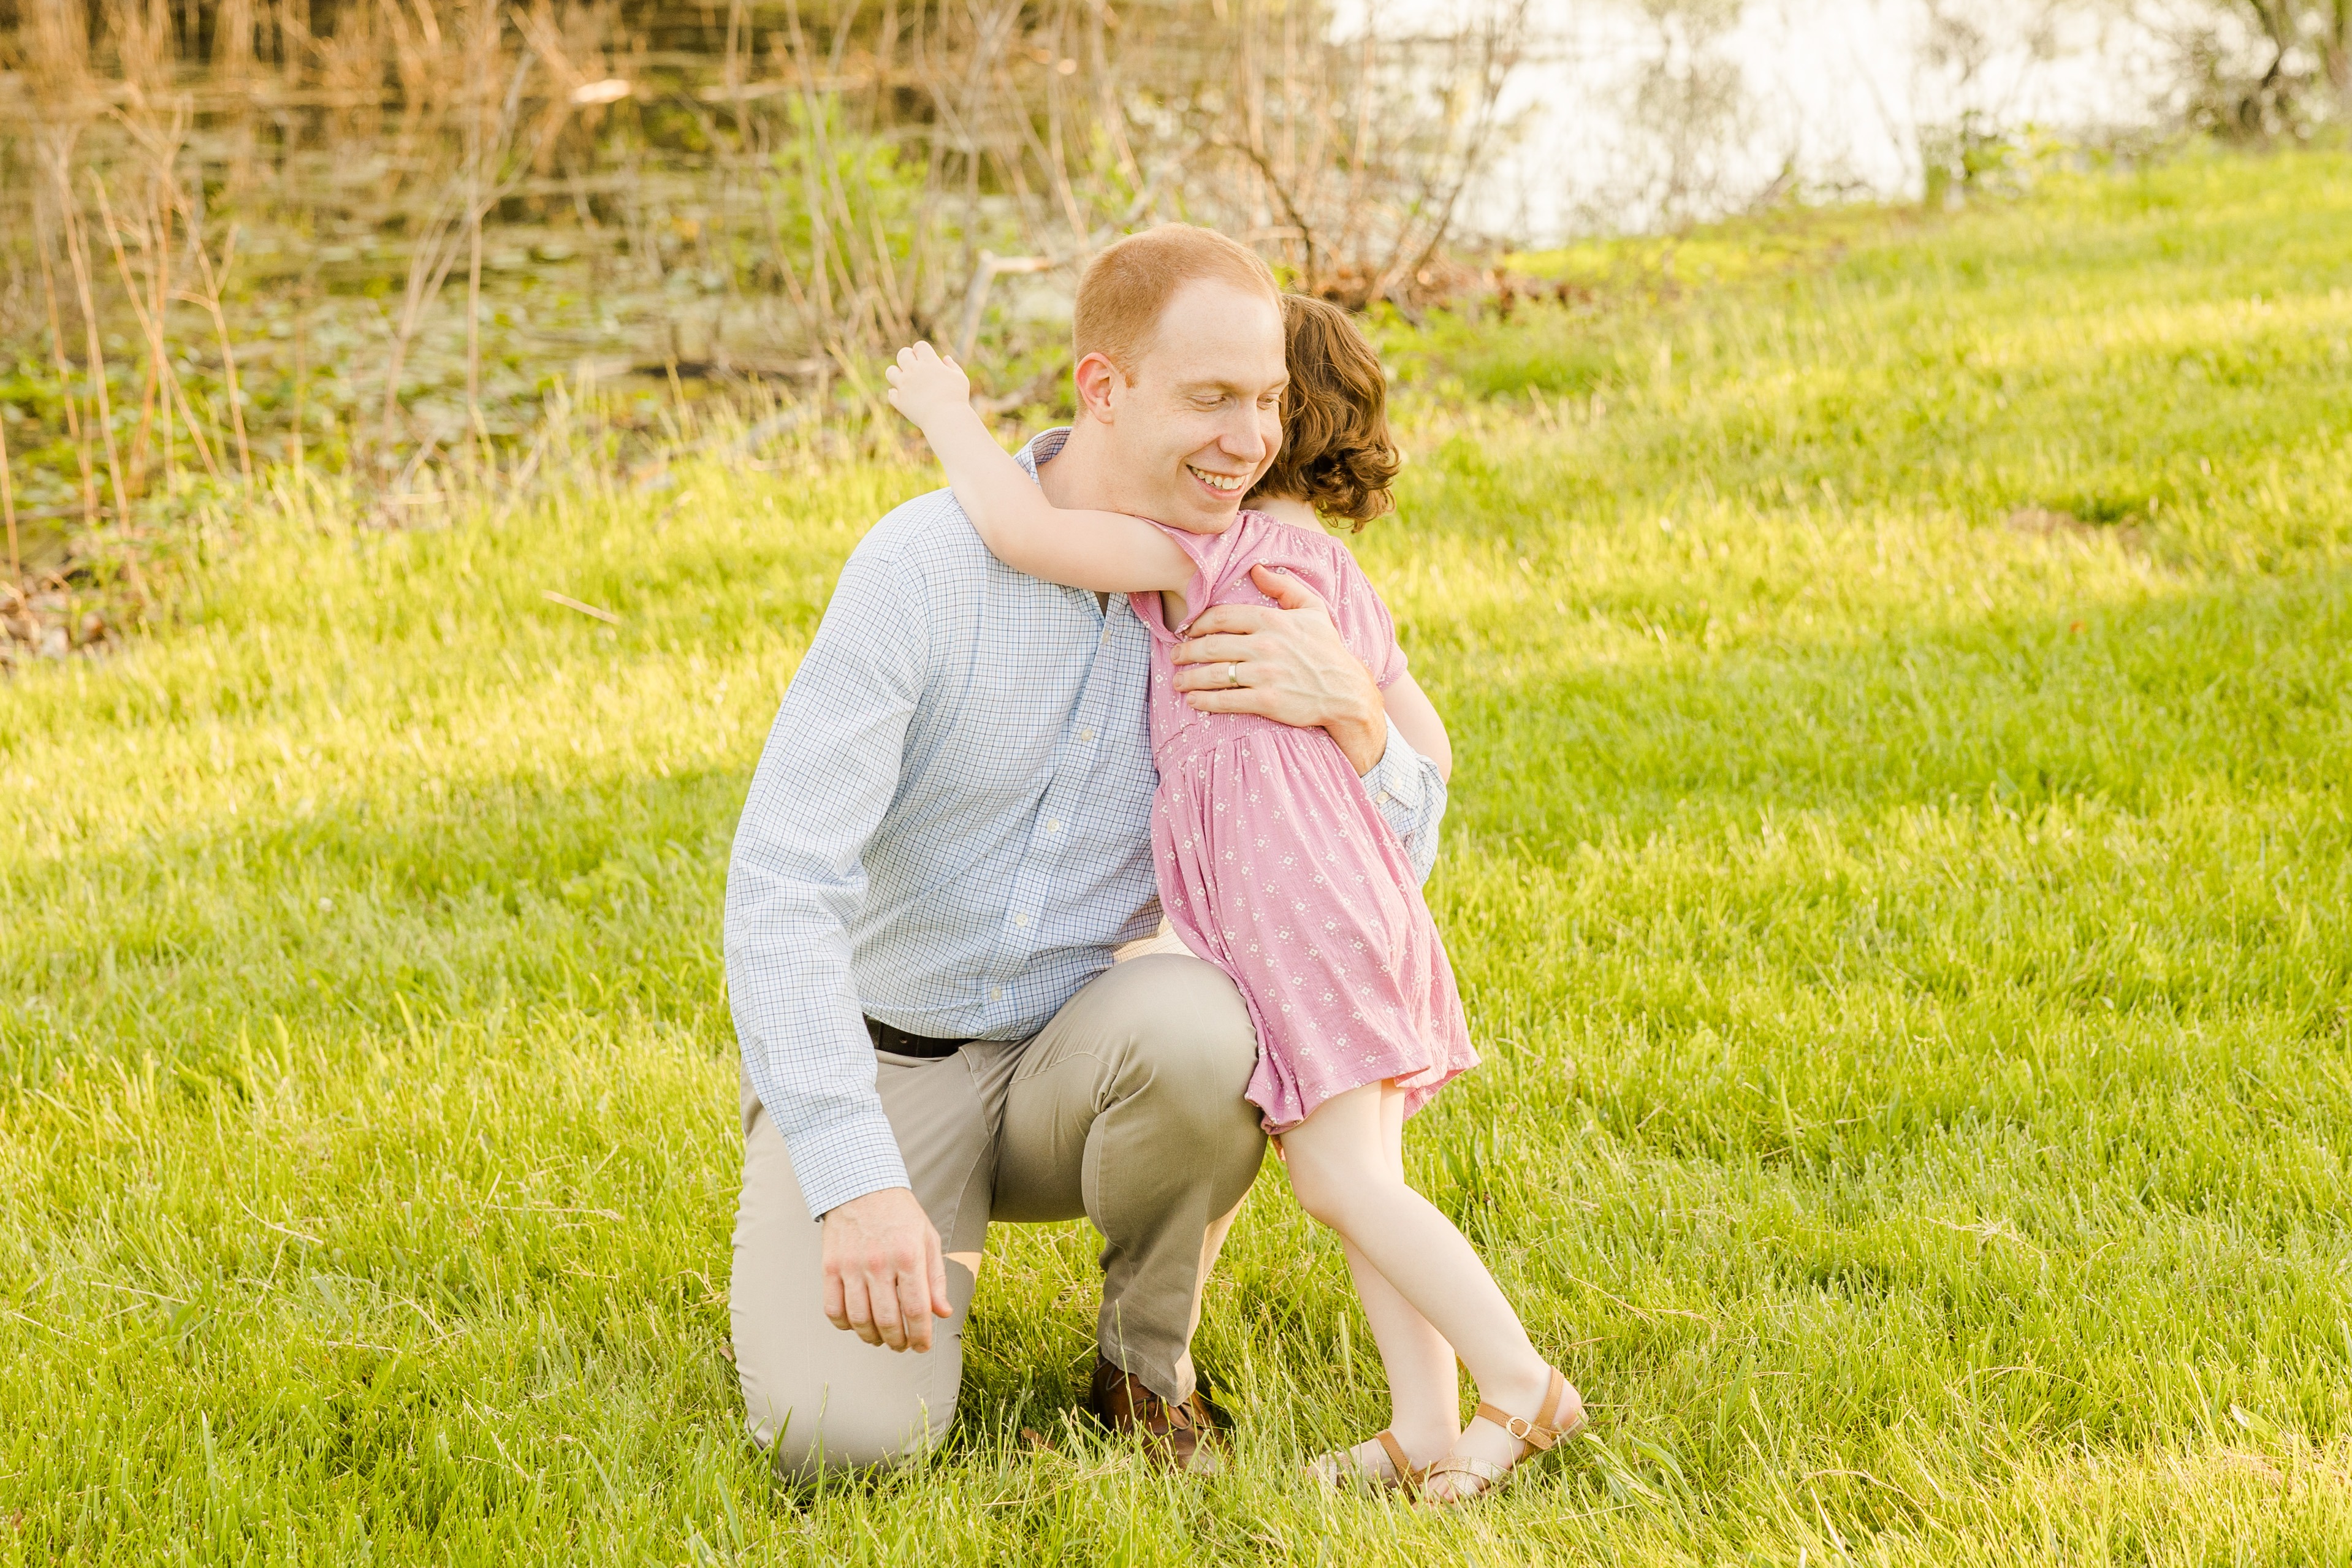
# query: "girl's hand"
[926,384]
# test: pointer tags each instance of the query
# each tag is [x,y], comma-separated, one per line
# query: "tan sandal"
[1342,1465]
[1559,1418]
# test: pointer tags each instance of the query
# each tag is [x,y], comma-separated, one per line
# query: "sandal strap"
[1341,1465]
[1408,1479]
[1485,1472]
[1539,1433]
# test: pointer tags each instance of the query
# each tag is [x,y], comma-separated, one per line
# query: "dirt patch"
[35,626]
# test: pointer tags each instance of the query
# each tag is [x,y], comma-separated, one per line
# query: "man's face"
[1200,418]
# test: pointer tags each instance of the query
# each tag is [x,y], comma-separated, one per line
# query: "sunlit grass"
[1912,952]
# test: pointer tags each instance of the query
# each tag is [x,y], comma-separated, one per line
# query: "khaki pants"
[1126,1109]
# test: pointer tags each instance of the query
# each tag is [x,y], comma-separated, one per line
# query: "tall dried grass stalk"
[171,392]
[214,280]
[55,36]
[455,215]
[75,435]
[77,255]
[8,514]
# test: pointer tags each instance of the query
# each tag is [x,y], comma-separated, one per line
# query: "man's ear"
[1099,383]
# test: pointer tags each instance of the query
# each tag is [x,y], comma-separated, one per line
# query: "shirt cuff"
[1395,779]
[845,1160]
[1407,792]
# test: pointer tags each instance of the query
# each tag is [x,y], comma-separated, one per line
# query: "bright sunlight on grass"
[1899,871]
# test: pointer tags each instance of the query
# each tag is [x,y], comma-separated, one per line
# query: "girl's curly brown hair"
[1337,455]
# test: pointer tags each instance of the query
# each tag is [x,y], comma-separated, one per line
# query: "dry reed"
[8,514]
[836,175]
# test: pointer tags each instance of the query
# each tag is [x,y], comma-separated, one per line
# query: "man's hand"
[885,1279]
[1287,664]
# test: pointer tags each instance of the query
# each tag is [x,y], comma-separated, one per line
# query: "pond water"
[1636,116]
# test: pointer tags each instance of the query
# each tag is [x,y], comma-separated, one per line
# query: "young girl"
[1273,865]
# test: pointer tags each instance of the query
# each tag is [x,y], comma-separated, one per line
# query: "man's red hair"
[1127,287]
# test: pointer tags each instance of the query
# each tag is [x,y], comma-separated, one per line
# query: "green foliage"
[1910,934]
[832,196]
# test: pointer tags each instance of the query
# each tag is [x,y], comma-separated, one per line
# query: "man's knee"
[837,1431]
[813,1394]
[1189,1031]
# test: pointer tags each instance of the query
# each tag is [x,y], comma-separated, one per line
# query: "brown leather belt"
[899,1043]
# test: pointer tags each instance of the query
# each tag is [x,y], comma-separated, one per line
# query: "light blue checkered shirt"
[950,829]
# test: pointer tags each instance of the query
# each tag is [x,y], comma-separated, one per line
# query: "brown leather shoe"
[1184,1435]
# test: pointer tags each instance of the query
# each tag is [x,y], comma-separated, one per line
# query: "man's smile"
[1224,484]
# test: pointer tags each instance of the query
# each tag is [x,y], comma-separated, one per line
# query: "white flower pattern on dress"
[1274,865]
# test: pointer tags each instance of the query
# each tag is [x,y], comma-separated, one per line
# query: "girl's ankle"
[1520,1391]
[1426,1441]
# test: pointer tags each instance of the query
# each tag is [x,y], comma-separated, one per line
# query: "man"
[946,838]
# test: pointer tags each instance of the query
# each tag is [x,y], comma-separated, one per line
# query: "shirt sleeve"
[797,880]
[1410,795]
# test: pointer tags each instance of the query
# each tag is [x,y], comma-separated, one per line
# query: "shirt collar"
[1042,449]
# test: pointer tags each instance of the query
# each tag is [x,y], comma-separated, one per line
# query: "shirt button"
[996,993]
[1382,797]
[1053,827]
[1086,734]
[1021,919]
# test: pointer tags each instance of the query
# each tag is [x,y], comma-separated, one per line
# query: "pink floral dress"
[1275,865]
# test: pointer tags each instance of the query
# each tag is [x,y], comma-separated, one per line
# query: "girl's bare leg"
[1425,1399]
[1344,1176]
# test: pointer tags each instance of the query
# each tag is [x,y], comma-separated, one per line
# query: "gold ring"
[1233,675]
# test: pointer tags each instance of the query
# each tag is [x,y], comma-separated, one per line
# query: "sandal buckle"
[1521,1428]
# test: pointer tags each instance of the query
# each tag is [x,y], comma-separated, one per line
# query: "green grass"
[1913,955]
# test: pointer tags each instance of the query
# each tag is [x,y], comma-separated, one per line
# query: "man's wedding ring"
[1232,675]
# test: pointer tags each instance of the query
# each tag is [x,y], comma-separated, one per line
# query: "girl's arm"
[1417,721]
[1107,552]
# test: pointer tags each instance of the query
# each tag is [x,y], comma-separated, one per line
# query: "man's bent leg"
[819,1395]
[1129,1109]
